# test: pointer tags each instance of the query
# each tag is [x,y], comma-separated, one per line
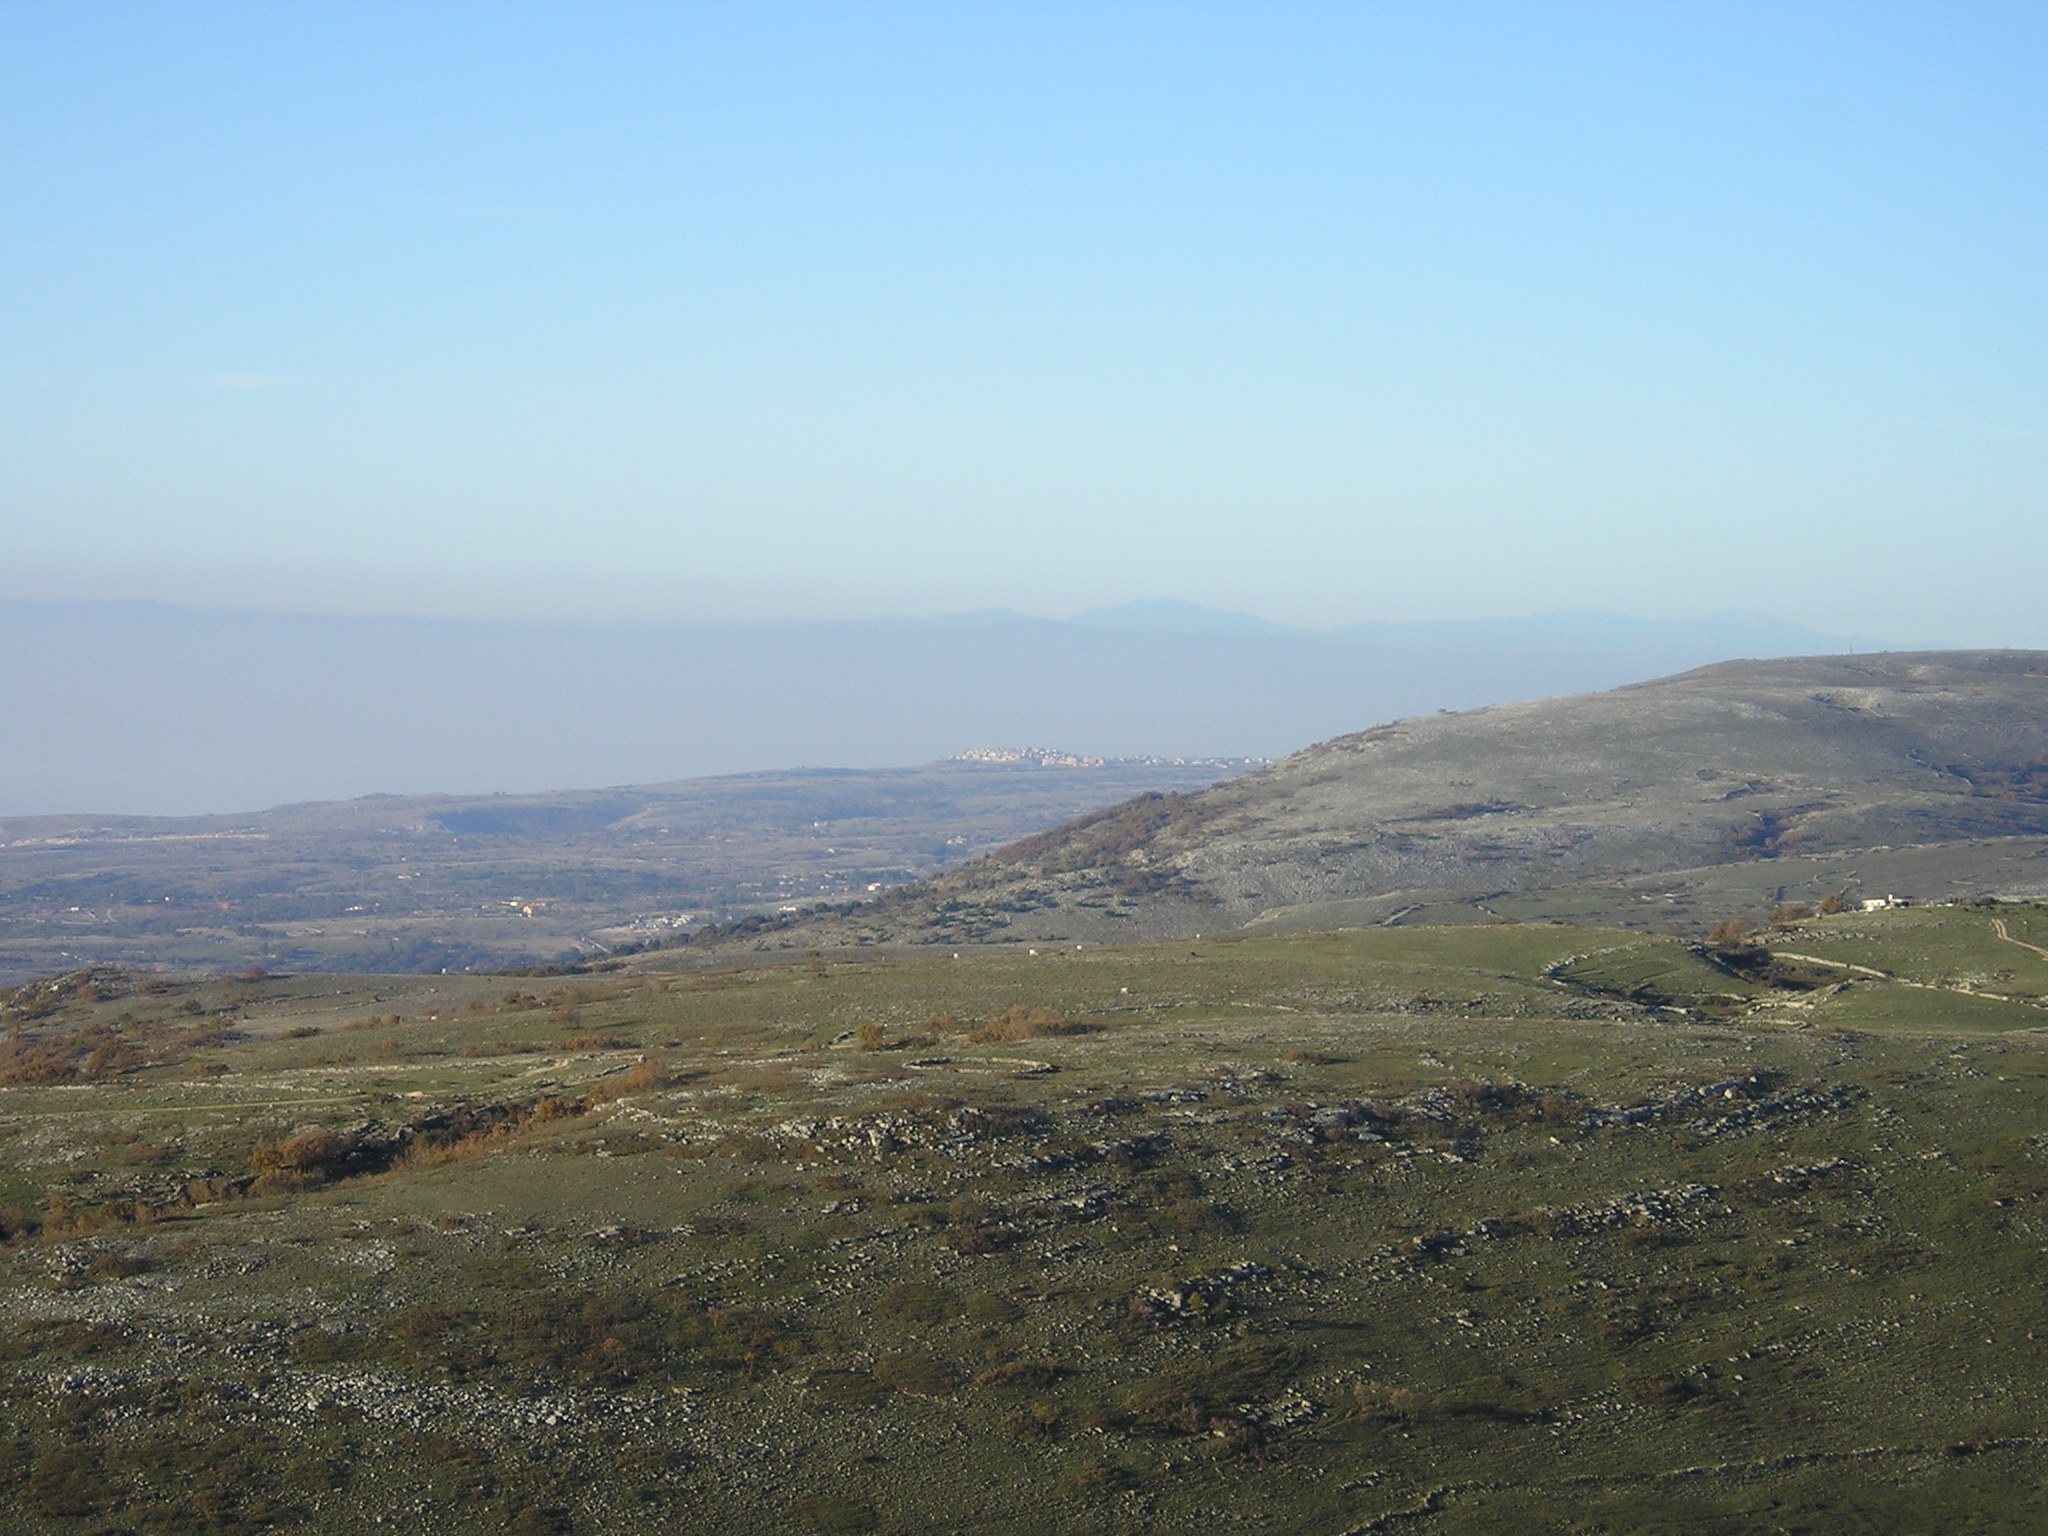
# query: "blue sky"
[1327,312]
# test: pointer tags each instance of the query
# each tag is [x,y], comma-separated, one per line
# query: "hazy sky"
[1329,312]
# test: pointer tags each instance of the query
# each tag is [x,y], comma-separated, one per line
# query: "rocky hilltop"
[1737,786]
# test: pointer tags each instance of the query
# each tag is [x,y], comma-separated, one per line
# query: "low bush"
[1201,1397]
[1034,1423]
[596,1339]
[64,1338]
[311,1158]
[1022,1023]
[97,1052]
[1032,1374]
[918,1375]
[912,1303]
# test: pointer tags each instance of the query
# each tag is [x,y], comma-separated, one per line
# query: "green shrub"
[990,1310]
[66,1483]
[26,1341]
[595,1339]
[912,1303]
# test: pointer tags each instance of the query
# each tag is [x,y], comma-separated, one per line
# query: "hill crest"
[1778,771]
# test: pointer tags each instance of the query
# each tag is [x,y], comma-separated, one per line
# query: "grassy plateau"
[1492,1228]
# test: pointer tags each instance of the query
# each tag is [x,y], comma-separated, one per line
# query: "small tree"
[1733,933]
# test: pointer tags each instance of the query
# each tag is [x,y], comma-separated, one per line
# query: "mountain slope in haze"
[1754,780]
[142,708]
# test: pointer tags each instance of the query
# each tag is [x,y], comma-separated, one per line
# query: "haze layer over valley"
[147,709]
[1671,804]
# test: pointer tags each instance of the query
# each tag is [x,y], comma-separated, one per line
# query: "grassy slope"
[1423,1229]
[1663,805]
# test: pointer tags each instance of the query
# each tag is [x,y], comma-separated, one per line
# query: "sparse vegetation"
[1474,1226]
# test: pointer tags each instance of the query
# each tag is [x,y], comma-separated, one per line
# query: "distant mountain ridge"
[1171,616]
[1584,628]
[1743,782]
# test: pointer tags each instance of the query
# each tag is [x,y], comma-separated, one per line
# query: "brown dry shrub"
[749,1147]
[308,1159]
[648,1075]
[1203,1216]
[470,1133]
[63,1218]
[1034,1423]
[1374,1403]
[1669,1388]
[101,1051]
[1104,1477]
[1025,1023]
[1036,1374]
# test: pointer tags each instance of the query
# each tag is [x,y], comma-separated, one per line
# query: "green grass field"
[1494,1228]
